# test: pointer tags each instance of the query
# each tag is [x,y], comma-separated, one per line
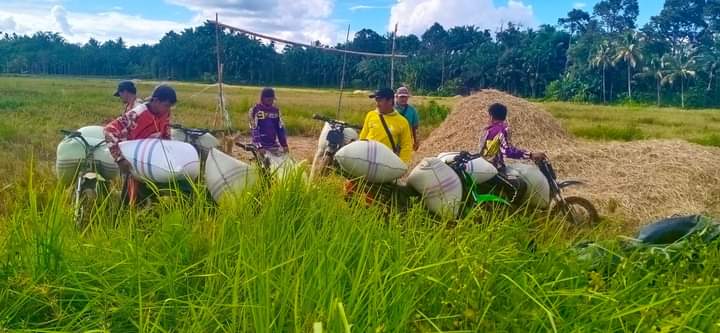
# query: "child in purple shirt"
[495,144]
[268,131]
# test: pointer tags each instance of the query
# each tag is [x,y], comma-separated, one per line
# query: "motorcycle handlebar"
[247,146]
[70,133]
[320,117]
[77,135]
[198,131]
[189,129]
[334,121]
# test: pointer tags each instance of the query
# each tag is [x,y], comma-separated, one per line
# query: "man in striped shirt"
[149,120]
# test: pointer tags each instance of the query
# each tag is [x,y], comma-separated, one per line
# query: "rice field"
[630,123]
[294,257]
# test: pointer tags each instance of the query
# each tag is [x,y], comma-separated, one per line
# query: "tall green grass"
[294,256]
[630,123]
[600,132]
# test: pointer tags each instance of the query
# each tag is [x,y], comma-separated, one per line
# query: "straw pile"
[633,181]
[531,126]
[643,180]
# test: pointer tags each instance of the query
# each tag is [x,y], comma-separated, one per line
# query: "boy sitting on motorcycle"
[495,146]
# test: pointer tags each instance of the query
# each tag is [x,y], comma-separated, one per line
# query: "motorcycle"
[400,195]
[202,139]
[269,164]
[474,194]
[536,185]
[89,183]
[573,209]
[334,135]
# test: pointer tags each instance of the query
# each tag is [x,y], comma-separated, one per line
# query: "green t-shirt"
[410,114]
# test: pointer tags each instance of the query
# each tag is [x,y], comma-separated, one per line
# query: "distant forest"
[600,57]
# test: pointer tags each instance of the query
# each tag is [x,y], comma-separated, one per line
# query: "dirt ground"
[301,148]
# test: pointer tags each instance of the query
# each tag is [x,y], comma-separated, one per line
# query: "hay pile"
[531,126]
[637,181]
[643,180]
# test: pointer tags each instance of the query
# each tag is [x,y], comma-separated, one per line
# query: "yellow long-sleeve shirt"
[398,126]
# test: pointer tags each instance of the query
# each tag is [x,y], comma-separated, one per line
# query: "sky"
[146,21]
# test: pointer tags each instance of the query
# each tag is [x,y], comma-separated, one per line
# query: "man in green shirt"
[402,96]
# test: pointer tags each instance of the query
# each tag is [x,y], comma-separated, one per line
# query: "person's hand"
[286,150]
[124,166]
[261,151]
[537,156]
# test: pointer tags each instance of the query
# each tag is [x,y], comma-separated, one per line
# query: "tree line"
[600,56]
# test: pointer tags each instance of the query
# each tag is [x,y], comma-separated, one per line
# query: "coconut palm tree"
[602,58]
[677,68]
[628,51]
[711,64]
[654,70]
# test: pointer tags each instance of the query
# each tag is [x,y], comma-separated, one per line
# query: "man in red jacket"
[149,120]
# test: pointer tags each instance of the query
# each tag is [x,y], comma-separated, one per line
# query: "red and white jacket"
[138,123]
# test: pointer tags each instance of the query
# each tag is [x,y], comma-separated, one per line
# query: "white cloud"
[579,5]
[60,16]
[7,24]
[364,7]
[297,20]
[415,16]
[80,27]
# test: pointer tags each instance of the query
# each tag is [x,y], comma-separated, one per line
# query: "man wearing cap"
[149,120]
[402,96]
[387,126]
[128,95]
[266,125]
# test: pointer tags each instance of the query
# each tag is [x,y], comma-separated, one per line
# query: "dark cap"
[384,93]
[128,86]
[165,93]
[267,92]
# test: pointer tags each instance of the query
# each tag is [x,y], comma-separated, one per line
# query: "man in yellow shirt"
[387,126]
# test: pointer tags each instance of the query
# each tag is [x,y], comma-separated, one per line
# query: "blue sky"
[145,21]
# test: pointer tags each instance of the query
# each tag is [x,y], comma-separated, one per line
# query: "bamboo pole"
[342,76]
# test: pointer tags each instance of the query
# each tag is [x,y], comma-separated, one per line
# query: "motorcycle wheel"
[577,211]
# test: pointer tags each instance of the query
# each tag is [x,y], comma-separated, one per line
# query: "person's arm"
[165,132]
[483,142]
[406,144]
[117,131]
[510,151]
[254,128]
[366,128]
[282,136]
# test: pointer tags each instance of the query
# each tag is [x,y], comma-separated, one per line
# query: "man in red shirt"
[149,120]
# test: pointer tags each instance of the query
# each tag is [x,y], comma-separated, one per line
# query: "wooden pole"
[221,94]
[342,76]
[392,59]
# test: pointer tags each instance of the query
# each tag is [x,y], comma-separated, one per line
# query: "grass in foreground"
[300,256]
[621,123]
